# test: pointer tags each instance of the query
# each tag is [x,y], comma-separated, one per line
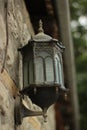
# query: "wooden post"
[63,17]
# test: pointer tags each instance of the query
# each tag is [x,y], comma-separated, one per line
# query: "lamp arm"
[20,111]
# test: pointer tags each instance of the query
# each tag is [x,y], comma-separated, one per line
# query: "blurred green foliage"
[78,10]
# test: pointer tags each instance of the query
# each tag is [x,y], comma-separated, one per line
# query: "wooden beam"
[49,7]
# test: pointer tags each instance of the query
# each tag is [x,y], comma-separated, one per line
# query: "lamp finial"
[40,26]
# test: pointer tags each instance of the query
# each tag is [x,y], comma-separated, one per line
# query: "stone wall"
[15,31]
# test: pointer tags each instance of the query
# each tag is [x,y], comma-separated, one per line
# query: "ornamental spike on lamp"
[42,70]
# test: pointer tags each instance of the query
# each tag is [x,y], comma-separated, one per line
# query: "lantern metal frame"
[44,93]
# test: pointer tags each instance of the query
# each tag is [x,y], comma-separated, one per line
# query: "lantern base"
[42,95]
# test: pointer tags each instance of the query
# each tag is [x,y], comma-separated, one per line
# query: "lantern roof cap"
[41,36]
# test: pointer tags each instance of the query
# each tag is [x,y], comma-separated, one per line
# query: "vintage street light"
[42,70]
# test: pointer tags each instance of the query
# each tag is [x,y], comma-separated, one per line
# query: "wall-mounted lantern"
[42,70]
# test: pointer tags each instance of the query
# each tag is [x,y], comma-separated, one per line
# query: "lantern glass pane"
[59,73]
[49,70]
[57,70]
[30,72]
[44,54]
[39,70]
[25,76]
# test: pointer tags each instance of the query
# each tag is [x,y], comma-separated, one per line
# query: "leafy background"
[78,9]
